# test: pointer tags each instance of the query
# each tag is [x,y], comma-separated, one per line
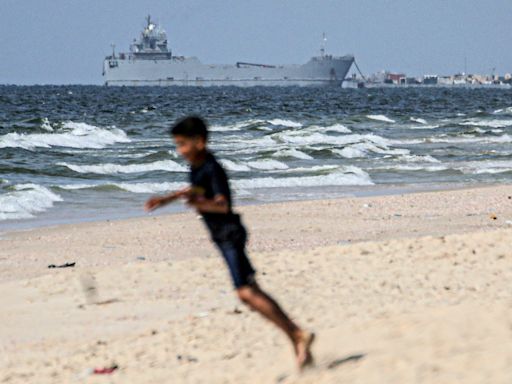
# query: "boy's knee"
[245,294]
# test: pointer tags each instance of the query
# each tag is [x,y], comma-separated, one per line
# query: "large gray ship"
[151,62]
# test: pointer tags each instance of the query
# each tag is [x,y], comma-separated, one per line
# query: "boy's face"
[190,148]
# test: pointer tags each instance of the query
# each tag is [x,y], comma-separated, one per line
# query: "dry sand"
[422,295]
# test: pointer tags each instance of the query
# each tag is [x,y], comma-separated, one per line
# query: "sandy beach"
[411,288]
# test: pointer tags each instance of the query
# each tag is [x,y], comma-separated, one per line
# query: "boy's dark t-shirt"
[210,180]
[227,230]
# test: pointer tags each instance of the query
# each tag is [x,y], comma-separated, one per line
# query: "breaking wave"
[108,169]
[285,123]
[482,167]
[261,165]
[493,123]
[470,139]
[71,135]
[292,153]
[419,120]
[382,118]
[232,166]
[267,165]
[340,128]
[358,150]
[503,111]
[348,176]
[299,138]
[25,201]
[237,126]
[411,167]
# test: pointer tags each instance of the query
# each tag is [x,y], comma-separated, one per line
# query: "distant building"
[445,80]
[387,78]
[396,78]
[460,79]
[430,79]
[481,79]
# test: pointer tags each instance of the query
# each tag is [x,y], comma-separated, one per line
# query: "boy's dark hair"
[192,126]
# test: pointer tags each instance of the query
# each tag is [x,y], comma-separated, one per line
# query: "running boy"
[210,195]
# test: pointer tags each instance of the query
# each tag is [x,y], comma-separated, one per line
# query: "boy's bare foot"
[303,349]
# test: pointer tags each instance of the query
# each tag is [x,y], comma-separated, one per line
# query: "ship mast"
[322,46]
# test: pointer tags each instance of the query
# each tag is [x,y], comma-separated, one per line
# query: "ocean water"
[72,153]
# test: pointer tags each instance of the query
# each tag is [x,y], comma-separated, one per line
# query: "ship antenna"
[113,50]
[322,47]
[148,19]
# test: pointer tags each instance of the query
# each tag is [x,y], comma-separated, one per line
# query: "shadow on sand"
[352,358]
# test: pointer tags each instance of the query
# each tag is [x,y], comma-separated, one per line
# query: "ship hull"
[320,71]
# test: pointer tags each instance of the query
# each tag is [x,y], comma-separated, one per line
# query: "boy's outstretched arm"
[219,204]
[160,201]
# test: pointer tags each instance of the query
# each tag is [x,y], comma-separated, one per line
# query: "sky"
[65,41]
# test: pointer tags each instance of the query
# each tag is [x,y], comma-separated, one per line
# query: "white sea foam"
[492,170]
[234,167]
[313,169]
[129,187]
[139,155]
[503,111]
[382,118]
[108,169]
[150,187]
[285,123]
[73,187]
[292,153]
[319,138]
[46,125]
[428,126]
[346,176]
[419,120]
[469,167]
[236,126]
[25,201]
[419,159]
[267,165]
[471,139]
[410,167]
[222,128]
[428,168]
[350,152]
[493,123]
[481,167]
[340,128]
[71,134]
[407,141]
[350,176]
[264,141]
[361,150]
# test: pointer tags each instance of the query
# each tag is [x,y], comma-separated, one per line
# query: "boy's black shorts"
[230,236]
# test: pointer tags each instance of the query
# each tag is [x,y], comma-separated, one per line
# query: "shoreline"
[39,222]
[272,227]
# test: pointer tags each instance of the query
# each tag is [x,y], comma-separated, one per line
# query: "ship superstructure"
[151,62]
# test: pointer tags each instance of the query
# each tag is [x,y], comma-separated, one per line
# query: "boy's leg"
[258,300]
[251,294]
